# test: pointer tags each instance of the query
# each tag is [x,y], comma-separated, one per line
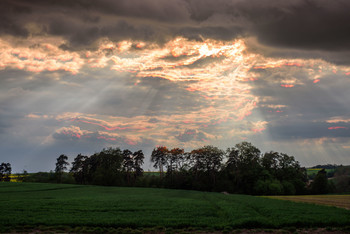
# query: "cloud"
[42,57]
[192,135]
[303,24]
[92,74]
[311,25]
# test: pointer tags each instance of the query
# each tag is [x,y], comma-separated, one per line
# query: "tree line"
[240,169]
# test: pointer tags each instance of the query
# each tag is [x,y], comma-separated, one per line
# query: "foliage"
[31,205]
[241,169]
[342,179]
[320,183]
[79,168]
[104,168]
[111,166]
[5,171]
[61,166]
[159,158]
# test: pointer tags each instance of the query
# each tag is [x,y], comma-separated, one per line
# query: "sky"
[80,76]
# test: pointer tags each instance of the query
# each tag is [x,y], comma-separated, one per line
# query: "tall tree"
[5,171]
[61,166]
[207,163]
[320,183]
[128,164]
[286,170]
[243,166]
[79,169]
[177,158]
[159,158]
[105,167]
[138,162]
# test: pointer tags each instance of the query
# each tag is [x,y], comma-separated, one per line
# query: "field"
[33,205]
[342,201]
[314,171]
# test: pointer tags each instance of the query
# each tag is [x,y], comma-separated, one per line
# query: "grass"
[59,205]
[342,201]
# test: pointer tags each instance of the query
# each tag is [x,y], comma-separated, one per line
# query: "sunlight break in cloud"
[221,73]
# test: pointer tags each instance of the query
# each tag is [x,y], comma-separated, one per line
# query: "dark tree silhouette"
[243,167]
[159,158]
[246,170]
[61,166]
[104,168]
[5,171]
[206,163]
[138,162]
[79,169]
[320,183]
[128,164]
[279,174]
[175,160]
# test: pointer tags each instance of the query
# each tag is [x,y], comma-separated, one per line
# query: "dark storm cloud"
[317,25]
[309,25]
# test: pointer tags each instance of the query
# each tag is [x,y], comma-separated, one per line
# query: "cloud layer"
[79,76]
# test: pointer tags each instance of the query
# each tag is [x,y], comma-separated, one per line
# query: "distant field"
[314,171]
[34,205]
[151,173]
[342,201]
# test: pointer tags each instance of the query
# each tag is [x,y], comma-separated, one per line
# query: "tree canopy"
[239,169]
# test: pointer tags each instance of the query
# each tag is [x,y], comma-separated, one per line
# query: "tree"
[5,171]
[159,158]
[320,183]
[207,163]
[138,162]
[128,164]
[174,160]
[270,161]
[285,169]
[342,179]
[79,169]
[104,168]
[132,164]
[243,167]
[61,166]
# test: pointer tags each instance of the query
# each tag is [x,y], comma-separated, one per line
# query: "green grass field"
[32,205]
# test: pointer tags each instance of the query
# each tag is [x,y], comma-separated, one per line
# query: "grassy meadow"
[47,205]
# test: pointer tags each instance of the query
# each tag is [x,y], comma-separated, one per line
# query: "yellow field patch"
[342,201]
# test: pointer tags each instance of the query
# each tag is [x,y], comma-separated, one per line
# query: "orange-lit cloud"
[73,131]
[337,127]
[42,57]
[338,120]
[287,85]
